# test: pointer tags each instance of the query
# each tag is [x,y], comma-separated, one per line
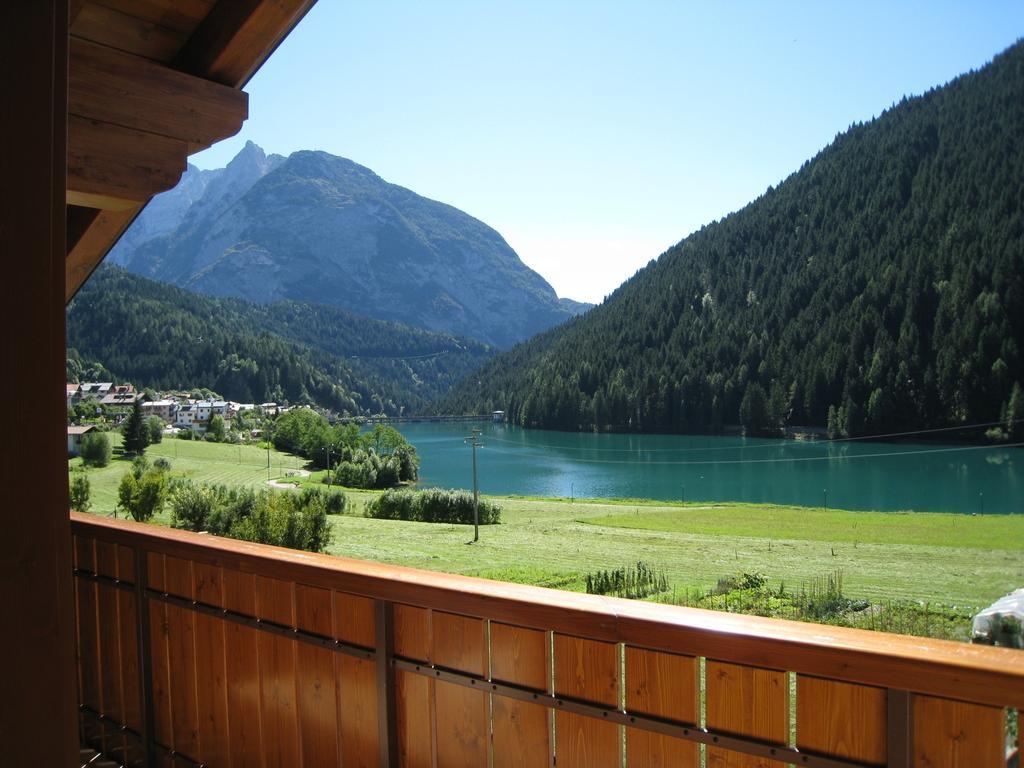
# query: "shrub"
[185,434]
[79,492]
[163,464]
[96,449]
[155,427]
[433,505]
[142,491]
[192,506]
[336,503]
[635,582]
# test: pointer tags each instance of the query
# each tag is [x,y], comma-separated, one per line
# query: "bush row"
[291,520]
[433,505]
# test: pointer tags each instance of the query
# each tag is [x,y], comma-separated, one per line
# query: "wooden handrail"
[973,673]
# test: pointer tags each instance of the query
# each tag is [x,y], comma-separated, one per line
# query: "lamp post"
[474,441]
[572,493]
[825,492]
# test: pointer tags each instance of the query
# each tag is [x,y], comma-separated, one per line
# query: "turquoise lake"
[859,475]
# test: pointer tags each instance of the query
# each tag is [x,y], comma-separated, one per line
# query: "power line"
[776,444]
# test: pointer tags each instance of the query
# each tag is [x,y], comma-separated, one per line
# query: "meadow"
[941,559]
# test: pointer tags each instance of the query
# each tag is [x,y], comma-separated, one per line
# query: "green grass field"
[244,465]
[939,558]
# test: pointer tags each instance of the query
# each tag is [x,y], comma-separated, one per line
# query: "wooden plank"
[245,736]
[119,88]
[239,591]
[745,701]
[357,712]
[110,651]
[92,245]
[106,559]
[318,725]
[589,670]
[975,673]
[279,706]
[354,619]
[211,669]
[110,166]
[88,630]
[178,577]
[181,16]
[160,666]
[663,685]
[458,642]
[127,32]
[414,694]
[521,732]
[274,600]
[841,719]
[952,733]
[313,610]
[181,654]
[130,672]
[412,632]
[237,36]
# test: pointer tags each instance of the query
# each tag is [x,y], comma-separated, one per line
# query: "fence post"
[386,717]
[145,657]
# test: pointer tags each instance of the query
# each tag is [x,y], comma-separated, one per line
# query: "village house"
[164,409]
[121,395]
[94,390]
[75,435]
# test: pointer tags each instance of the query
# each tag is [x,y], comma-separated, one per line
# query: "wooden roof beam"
[221,47]
[120,88]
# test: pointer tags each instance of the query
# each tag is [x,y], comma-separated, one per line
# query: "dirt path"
[283,483]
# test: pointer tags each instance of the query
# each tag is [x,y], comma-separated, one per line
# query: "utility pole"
[474,440]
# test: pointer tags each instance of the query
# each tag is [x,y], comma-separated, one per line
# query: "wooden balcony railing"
[195,650]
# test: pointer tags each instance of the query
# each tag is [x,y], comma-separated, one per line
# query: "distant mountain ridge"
[878,288]
[319,228]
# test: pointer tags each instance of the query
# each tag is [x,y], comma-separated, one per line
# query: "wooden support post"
[900,737]
[386,713]
[38,715]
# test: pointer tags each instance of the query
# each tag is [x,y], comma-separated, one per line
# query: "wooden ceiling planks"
[150,82]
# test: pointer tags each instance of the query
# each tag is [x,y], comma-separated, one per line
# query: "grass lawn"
[244,465]
[940,558]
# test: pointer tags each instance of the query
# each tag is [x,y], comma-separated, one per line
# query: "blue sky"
[594,135]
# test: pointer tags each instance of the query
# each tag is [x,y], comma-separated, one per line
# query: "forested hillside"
[158,336]
[880,287]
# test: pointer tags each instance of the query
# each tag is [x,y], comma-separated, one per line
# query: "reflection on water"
[933,477]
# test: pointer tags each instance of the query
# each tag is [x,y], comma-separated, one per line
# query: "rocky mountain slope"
[319,228]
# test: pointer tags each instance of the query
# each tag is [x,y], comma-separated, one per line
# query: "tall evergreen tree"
[135,431]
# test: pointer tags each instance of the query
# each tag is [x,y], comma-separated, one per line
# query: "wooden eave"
[149,83]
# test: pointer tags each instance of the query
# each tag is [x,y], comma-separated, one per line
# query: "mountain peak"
[321,228]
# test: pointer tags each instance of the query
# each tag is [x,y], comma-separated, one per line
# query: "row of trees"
[879,288]
[380,458]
